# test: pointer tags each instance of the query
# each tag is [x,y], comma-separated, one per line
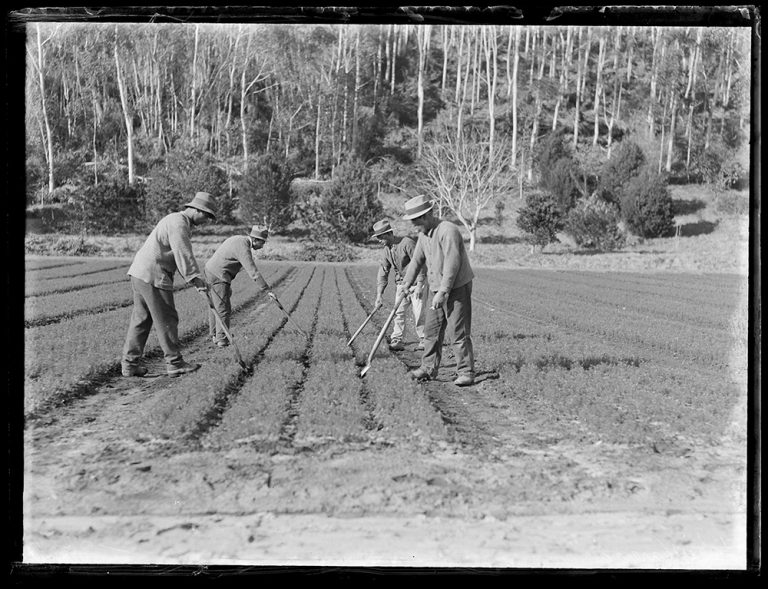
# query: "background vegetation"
[587,126]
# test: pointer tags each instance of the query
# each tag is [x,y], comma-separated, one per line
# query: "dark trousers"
[152,306]
[454,318]
[221,295]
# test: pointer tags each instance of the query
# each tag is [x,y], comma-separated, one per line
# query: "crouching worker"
[449,275]
[167,249]
[397,255]
[232,255]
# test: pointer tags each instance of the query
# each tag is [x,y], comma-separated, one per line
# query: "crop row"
[48,264]
[190,406]
[618,389]
[64,357]
[62,284]
[81,269]
[670,303]
[705,345]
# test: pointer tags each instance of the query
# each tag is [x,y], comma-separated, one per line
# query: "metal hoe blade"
[381,333]
[359,329]
[290,320]
[226,331]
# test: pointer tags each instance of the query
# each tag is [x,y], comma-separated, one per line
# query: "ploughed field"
[606,428]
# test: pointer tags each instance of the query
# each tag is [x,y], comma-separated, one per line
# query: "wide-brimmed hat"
[259,233]
[381,227]
[203,202]
[417,206]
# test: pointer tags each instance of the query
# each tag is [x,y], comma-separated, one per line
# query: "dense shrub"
[550,150]
[561,182]
[265,192]
[111,207]
[349,206]
[325,251]
[541,218]
[646,205]
[625,162]
[593,222]
[176,181]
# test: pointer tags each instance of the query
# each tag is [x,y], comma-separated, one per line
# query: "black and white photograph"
[416,289]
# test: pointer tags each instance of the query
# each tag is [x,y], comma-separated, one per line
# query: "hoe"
[226,331]
[398,300]
[287,316]
[359,329]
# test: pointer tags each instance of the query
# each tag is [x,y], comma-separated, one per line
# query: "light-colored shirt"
[396,256]
[442,250]
[230,257]
[167,249]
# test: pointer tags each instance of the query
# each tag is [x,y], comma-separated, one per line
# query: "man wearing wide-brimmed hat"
[397,254]
[441,248]
[230,257]
[167,249]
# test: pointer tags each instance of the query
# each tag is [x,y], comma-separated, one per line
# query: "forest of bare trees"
[112,100]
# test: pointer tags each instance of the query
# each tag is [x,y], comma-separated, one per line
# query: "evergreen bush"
[175,182]
[265,192]
[111,207]
[646,205]
[625,162]
[593,222]
[540,218]
[349,206]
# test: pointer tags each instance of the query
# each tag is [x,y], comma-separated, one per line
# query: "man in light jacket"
[233,255]
[396,255]
[449,275]
[167,249]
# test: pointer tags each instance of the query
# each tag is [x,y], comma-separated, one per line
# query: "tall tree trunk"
[515,64]
[490,48]
[193,89]
[576,110]
[356,102]
[422,38]
[598,88]
[537,105]
[671,146]
[127,115]
[317,133]
[40,65]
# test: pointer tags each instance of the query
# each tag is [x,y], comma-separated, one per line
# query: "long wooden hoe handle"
[398,300]
[226,331]
[359,329]
[287,316]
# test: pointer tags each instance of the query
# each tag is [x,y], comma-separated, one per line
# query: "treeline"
[109,102]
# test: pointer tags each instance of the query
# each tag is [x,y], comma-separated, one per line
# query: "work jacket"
[442,250]
[168,248]
[232,256]
[396,256]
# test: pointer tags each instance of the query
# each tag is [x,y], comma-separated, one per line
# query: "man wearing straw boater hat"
[397,254]
[167,249]
[230,257]
[449,275]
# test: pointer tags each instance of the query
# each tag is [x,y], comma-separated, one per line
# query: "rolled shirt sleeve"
[415,270]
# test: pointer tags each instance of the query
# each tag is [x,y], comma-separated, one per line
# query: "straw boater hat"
[259,233]
[417,206]
[381,227]
[203,202]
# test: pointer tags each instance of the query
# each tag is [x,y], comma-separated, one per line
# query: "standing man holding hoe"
[397,254]
[441,247]
[232,255]
[167,249]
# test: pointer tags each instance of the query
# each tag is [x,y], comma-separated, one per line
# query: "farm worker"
[230,257]
[449,275]
[397,254]
[167,249]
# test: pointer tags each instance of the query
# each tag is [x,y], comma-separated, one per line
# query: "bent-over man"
[396,255]
[230,257]
[449,275]
[168,248]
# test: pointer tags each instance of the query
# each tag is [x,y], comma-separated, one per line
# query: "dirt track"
[497,494]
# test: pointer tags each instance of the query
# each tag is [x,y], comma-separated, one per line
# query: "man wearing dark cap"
[441,247]
[397,255]
[232,255]
[167,249]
